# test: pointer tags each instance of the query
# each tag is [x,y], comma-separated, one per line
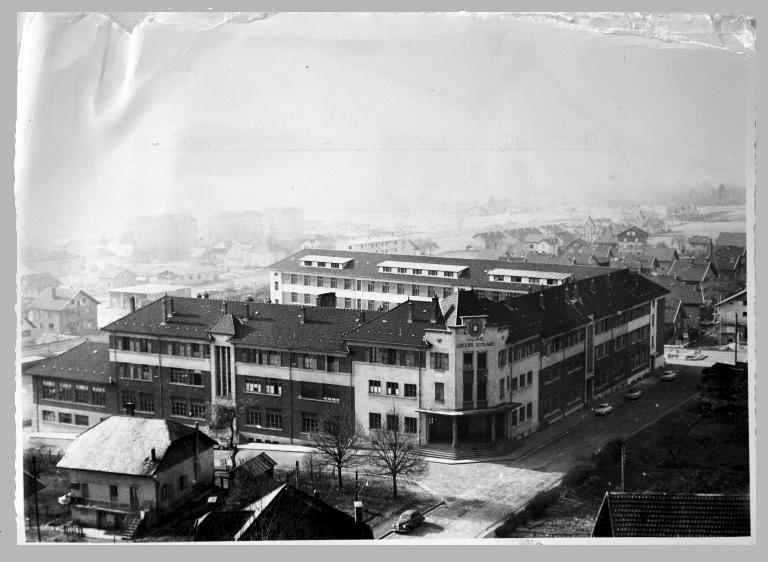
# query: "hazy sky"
[358,112]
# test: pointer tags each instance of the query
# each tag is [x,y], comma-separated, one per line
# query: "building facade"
[369,281]
[63,311]
[632,240]
[732,316]
[451,371]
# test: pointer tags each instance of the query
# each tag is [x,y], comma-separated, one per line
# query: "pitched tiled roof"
[738,239]
[640,232]
[679,291]
[740,294]
[663,254]
[40,280]
[392,327]
[123,445]
[536,257]
[698,239]
[255,466]
[88,362]
[627,514]
[365,265]
[56,299]
[727,257]
[691,271]
[276,326]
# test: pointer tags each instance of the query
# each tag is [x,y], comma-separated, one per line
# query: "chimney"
[170,302]
[541,299]
[133,303]
[224,307]
[358,512]
[153,455]
[247,310]
[165,311]
[592,286]
[435,310]
[206,295]
[302,314]
[130,408]
[410,311]
[199,295]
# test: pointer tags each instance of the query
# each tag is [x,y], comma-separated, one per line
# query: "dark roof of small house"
[392,326]
[663,254]
[87,362]
[738,239]
[638,231]
[698,239]
[285,513]
[691,271]
[123,445]
[56,299]
[536,257]
[255,466]
[628,514]
[581,258]
[43,279]
[679,291]
[727,257]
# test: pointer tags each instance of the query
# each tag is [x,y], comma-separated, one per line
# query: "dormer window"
[386,269]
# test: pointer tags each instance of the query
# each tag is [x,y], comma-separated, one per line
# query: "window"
[371,305]
[319,281]
[198,408]
[182,482]
[334,283]
[306,299]
[294,297]
[522,413]
[277,285]
[501,388]
[402,270]
[374,387]
[431,291]
[146,403]
[529,409]
[447,292]
[347,303]
[513,417]
[65,391]
[113,493]
[529,377]
[321,264]
[294,279]
[522,381]
[359,284]
[182,376]
[49,389]
[81,420]
[400,289]
[371,287]
[411,425]
[274,419]
[307,280]
[273,386]
[415,290]
[385,306]
[393,422]
[386,269]
[447,273]
[49,416]
[252,384]
[392,388]
[332,364]
[417,272]
[253,416]
[98,396]
[439,392]
[385,287]
[374,421]
[65,418]
[309,423]
[432,272]
[409,391]
[178,407]
[514,383]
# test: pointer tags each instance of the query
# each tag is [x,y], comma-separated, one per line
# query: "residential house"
[28,330]
[112,277]
[383,245]
[699,245]
[685,310]
[602,254]
[632,240]
[284,514]
[731,262]
[63,311]
[642,263]
[577,245]
[32,284]
[543,243]
[735,239]
[590,231]
[732,318]
[188,275]
[127,471]
[316,241]
[253,473]
[131,298]
[244,256]
[653,514]
[665,257]
[697,271]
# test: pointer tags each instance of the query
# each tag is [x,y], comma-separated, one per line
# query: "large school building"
[452,371]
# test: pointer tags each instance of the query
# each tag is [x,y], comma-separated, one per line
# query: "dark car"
[634,393]
[408,521]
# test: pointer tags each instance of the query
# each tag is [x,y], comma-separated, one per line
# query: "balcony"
[92,503]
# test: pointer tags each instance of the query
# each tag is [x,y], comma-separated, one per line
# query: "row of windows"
[143,402]
[188,408]
[272,420]
[554,344]
[389,356]
[619,319]
[639,335]
[327,363]
[369,286]
[136,372]
[318,391]
[70,392]
[393,389]
[65,417]
[174,348]
[187,377]
[410,425]
[511,383]
[262,385]
[519,415]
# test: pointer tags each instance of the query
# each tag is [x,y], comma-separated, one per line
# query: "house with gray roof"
[64,311]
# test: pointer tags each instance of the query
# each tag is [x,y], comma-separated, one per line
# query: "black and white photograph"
[413,277]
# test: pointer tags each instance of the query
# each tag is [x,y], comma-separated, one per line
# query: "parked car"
[408,521]
[634,393]
[603,409]
[669,375]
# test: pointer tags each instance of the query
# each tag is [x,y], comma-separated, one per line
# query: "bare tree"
[224,419]
[337,439]
[395,453]
[312,466]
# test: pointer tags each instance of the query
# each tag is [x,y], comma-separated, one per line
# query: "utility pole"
[623,461]
[736,338]
[37,508]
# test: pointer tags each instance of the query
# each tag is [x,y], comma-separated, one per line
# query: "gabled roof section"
[740,295]
[674,515]
[226,325]
[639,232]
[699,239]
[88,362]
[690,271]
[738,239]
[392,327]
[123,445]
[56,298]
